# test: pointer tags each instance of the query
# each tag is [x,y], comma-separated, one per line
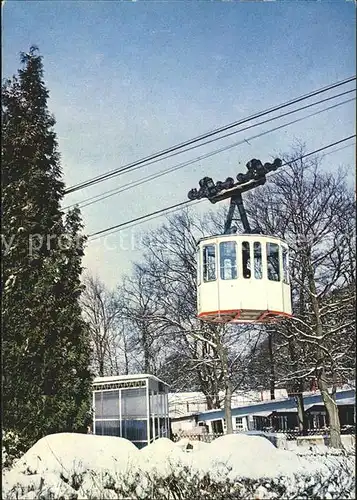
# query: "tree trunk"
[227,389]
[228,407]
[329,402]
[299,383]
[212,402]
[126,361]
[209,401]
[209,387]
[332,411]
[146,349]
[272,366]
[101,367]
[301,413]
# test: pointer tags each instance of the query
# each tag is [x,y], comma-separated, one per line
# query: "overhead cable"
[162,211]
[107,194]
[112,173]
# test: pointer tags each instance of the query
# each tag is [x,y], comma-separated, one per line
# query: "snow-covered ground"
[80,466]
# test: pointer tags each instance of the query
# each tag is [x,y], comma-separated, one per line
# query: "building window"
[98,408]
[110,404]
[162,427]
[217,426]
[258,265]
[239,423]
[107,428]
[209,263]
[246,259]
[133,403]
[135,430]
[273,266]
[283,422]
[228,260]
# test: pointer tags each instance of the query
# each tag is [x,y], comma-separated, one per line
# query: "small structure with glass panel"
[134,407]
[242,278]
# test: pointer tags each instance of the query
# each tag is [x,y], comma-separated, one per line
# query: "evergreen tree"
[46,351]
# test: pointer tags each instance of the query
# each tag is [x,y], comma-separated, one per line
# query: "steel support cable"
[181,145]
[132,222]
[107,194]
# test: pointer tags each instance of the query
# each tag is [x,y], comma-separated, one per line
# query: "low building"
[281,414]
[134,407]
[186,406]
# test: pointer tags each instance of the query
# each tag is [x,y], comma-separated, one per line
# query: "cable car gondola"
[241,278]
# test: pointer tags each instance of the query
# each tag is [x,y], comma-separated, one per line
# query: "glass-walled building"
[134,407]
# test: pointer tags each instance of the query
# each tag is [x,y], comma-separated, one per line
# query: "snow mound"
[64,452]
[257,444]
[161,446]
[161,457]
[88,467]
[247,456]
[62,459]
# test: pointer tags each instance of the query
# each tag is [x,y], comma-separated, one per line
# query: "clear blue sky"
[127,79]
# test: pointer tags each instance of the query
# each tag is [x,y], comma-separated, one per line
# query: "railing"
[205,438]
[290,434]
[294,433]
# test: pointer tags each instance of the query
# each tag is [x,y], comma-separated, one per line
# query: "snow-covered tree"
[314,211]
[103,312]
[139,306]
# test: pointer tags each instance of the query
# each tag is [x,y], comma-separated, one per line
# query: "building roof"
[346,401]
[125,378]
[339,402]
[258,414]
[238,397]
[191,403]
[342,397]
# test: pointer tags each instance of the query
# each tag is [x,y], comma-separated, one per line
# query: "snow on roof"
[186,404]
[346,401]
[251,404]
[339,402]
[124,378]
[278,404]
[293,410]
[259,414]
[237,397]
[290,410]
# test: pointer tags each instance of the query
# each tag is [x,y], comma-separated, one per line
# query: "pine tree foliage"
[46,381]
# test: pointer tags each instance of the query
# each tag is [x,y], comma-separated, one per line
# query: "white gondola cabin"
[243,279]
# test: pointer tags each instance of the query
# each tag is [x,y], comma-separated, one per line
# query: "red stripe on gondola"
[238,312]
